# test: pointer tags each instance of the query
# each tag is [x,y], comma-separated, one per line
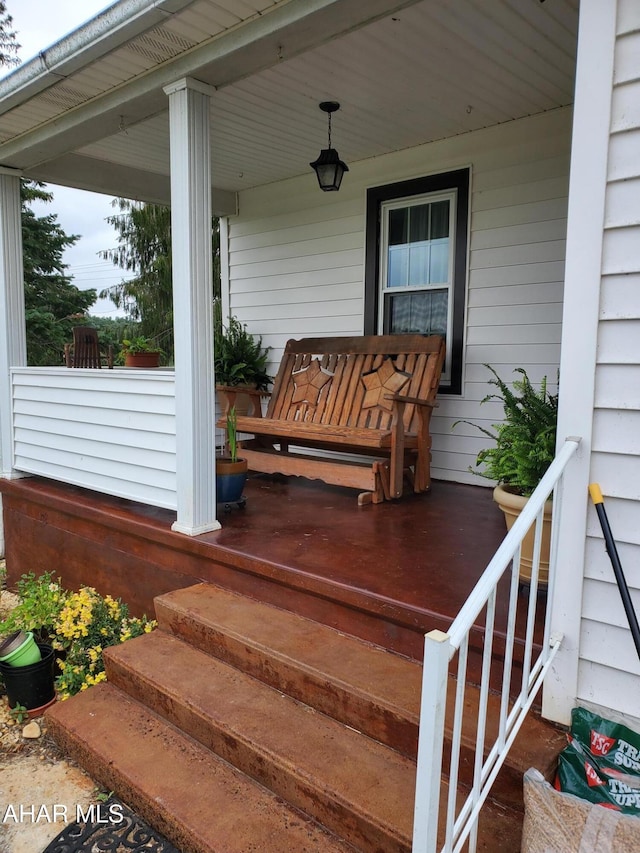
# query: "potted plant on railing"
[524,447]
[231,470]
[141,352]
[240,363]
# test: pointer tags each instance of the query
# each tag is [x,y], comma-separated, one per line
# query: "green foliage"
[140,344]
[53,305]
[85,626]
[144,248]
[240,359]
[19,713]
[525,441]
[232,434]
[9,46]
[113,330]
[40,602]
[79,625]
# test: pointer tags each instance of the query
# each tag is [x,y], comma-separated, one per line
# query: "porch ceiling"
[404,73]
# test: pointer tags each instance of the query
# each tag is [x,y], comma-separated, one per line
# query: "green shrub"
[240,359]
[40,601]
[86,625]
[79,626]
[525,441]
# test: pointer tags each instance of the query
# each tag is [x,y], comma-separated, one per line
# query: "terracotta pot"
[512,505]
[142,359]
[230,479]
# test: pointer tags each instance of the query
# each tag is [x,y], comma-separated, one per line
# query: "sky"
[39,24]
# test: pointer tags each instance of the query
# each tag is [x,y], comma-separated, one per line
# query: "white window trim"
[415,201]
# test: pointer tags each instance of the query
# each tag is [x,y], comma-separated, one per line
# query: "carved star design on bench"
[308,382]
[386,379]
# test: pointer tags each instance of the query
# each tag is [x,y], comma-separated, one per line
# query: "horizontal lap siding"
[297,262]
[125,443]
[609,668]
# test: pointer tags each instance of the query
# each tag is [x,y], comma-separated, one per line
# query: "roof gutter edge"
[103,33]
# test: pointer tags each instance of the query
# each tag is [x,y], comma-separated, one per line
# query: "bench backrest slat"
[320,380]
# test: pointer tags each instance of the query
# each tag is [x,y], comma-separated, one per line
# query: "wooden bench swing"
[366,396]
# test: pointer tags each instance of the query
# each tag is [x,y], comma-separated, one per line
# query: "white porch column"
[192,305]
[13,341]
[583,269]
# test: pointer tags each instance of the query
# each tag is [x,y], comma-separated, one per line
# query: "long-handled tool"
[612,551]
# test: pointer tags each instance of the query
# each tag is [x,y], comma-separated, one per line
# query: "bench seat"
[300,433]
[368,396]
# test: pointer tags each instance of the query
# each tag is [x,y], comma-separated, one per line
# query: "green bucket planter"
[20,649]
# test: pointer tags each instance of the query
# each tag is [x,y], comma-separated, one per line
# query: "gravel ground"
[34,778]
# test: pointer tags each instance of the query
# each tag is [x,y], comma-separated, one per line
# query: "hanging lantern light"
[329,168]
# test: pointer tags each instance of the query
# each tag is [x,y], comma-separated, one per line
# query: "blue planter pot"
[230,480]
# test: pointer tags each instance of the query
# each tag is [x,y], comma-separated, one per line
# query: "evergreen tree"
[144,248]
[53,305]
[9,47]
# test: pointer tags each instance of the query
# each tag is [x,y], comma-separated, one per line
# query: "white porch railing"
[112,431]
[459,821]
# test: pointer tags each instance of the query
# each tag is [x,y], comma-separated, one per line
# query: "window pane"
[439,219]
[419,223]
[419,313]
[439,262]
[419,264]
[398,226]
[418,245]
[398,270]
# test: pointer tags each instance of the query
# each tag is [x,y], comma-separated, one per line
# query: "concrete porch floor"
[387,573]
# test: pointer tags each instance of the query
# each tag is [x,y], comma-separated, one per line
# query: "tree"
[53,305]
[144,248]
[9,46]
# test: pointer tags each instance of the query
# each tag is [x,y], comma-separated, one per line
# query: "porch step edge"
[200,803]
[296,751]
[341,675]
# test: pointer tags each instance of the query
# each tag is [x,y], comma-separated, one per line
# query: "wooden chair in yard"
[85,349]
[367,397]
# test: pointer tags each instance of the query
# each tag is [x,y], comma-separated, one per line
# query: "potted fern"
[524,447]
[231,470]
[240,362]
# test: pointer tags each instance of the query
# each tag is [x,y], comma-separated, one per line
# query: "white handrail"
[460,824]
[496,568]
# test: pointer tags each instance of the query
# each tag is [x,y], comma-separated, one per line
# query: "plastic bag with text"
[601,764]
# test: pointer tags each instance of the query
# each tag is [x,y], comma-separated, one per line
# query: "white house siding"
[108,430]
[609,672]
[296,261]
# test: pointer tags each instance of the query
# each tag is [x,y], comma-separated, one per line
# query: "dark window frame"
[458,180]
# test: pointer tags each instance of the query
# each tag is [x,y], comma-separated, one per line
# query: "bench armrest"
[402,398]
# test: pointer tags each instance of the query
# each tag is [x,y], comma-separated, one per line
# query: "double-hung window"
[416,262]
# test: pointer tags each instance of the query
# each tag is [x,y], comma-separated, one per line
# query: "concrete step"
[351,680]
[275,709]
[357,787]
[200,803]
[198,800]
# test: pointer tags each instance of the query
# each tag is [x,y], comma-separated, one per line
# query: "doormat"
[103,834]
